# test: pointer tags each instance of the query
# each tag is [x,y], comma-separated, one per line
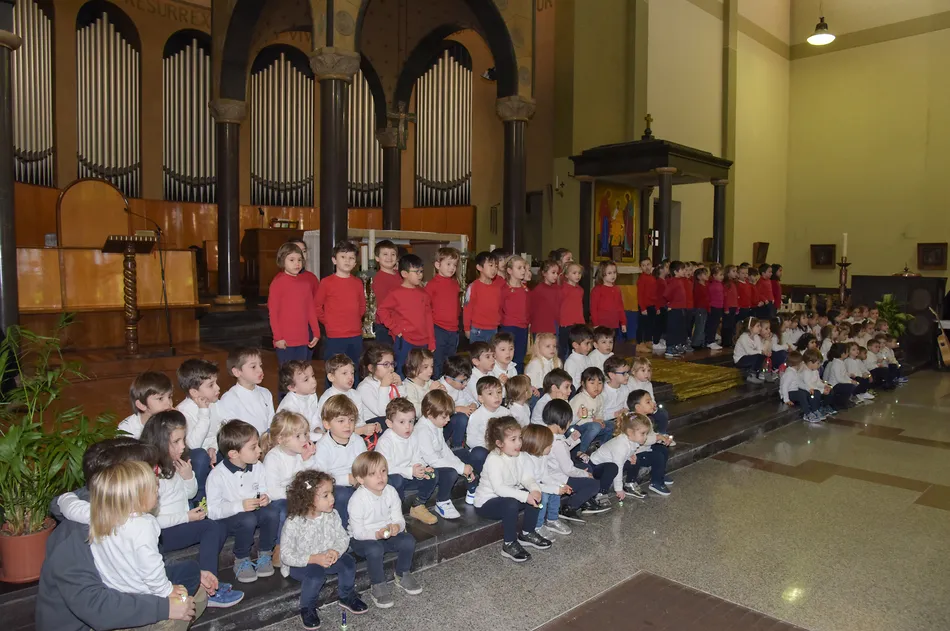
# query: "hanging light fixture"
[822,35]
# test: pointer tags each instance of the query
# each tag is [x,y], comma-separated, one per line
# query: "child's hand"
[281,344]
[582,412]
[202,402]
[308,450]
[396,379]
[333,555]
[179,591]
[565,490]
[790,404]
[437,385]
[468,335]
[184,469]
[531,501]
[381,533]
[196,514]
[535,392]
[418,471]
[575,435]
[394,530]
[265,499]
[621,495]
[503,378]
[536,495]
[584,458]
[623,328]
[323,560]
[471,408]
[811,391]
[468,472]
[387,380]
[212,452]
[209,581]
[312,343]
[600,422]
[251,504]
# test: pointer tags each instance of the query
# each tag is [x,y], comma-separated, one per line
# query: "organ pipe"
[32,84]
[365,155]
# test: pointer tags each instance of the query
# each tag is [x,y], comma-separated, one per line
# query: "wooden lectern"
[129,246]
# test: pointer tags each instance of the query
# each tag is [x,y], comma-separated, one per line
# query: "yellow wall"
[869,155]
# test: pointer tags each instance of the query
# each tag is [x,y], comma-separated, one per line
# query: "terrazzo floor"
[838,552]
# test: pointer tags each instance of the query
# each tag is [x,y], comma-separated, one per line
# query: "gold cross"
[649,119]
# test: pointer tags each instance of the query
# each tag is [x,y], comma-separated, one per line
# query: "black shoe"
[592,507]
[515,552]
[310,619]
[353,604]
[570,514]
[534,540]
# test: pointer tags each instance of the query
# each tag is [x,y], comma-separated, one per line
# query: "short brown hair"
[437,403]
[794,359]
[148,384]
[384,244]
[193,372]
[336,362]
[339,405]
[368,462]
[485,383]
[535,439]
[447,253]
[500,338]
[399,405]
[240,356]
[233,435]
[286,250]
[301,490]
[498,427]
[373,353]
[811,356]
[519,388]
[614,363]
[414,361]
[603,332]
[287,372]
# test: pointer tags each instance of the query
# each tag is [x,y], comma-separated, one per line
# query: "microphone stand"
[161,265]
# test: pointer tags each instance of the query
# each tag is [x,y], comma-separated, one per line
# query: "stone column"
[9,296]
[392,178]
[334,69]
[719,221]
[646,239]
[228,115]
[515,111]
[661,216]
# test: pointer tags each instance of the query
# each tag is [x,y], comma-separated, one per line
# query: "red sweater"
[544,307]
[572,305]
[383,283]
[514,306]
[661,284]
[717,294]
[763,292]
[606,307]
[312,281]
[483,309]
[689,287]
[444,294]
[499,281]
[407,311]
[341,303]
[701,296]
[646,291]
[731,295]
[675,293]
[776,291]
[291,309]
[745,294]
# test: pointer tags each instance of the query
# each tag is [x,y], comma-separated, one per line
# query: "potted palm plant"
[893,313]
[41,445]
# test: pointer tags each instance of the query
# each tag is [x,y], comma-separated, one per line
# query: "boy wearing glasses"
[615,390]
[456,373]
[407,312]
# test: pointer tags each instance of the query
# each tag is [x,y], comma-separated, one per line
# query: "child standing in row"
[606,303]
[443,291]
[407,312]
[572,306]
[646,303]
[717,306]
[514,307]
[544,301]
[291,309]
[482,313]
[341,303]
[385,280]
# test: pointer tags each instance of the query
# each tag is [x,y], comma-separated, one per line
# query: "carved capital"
[334,63]
[388,137]
[515,108]
[719,182]
[228,110]
[10,40]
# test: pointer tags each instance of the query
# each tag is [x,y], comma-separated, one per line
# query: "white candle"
[844,247]
[464,243]
[364,258]
[491,248]
[372,242]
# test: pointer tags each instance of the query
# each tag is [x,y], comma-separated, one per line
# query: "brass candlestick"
[843,279]
[462,274]
[369,317]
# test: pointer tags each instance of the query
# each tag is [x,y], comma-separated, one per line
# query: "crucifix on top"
[402,118]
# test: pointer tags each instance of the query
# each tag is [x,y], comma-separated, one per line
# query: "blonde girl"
[572,306]
[544,359]
[515,314]
[606,303]
[630,433]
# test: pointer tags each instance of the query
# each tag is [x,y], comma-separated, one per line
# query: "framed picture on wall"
[823,255]
[932,256]
[760,253]
[707,250]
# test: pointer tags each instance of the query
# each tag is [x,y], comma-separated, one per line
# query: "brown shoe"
[422,513]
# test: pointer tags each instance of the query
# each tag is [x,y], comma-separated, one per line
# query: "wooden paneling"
[35,209]
[39,278]
[89,211]
[259,251]
[106,329]
[93,280]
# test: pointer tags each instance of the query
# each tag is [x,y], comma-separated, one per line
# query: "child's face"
[664,271]
[484,362]
[402,423]
[643,373]
[874,314]
[703,277]
[345,262]
[584,348]
[605,344]
[425,370]
[518,271]
[619,377]
[550,276]
[447,267]
[812,321]
[296,440]
[490,398]
[511,446]
[743,274]
[718,276]
[176,443]
[384,368]
[303,250]
[874,347]
[638,434]
[500,266]
[376,480]
[567,257]
[209,390]
[811,365]
[610,275]
[323,499]
[457,382]
[646,266]
[387,259]
[767,274]
[562,391]
[341,378]
[853,352]
[340,428]
[766,330]
[489,270]
[812,345]
[504,352]
[440,420]
[413,277]
[753,278]
[155,403]
[251,373]
[733,274]
[305,383]
[594,387]
[823,320]
[646,405]
[756,330]
[250,453]
[574,274]
[293,263]
[892,344]
[547,348]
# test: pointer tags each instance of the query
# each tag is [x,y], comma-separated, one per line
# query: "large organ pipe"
[31,82]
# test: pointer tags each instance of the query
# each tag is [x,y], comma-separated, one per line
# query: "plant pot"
[22,556]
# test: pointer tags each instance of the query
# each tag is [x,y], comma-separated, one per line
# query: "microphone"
[158,228]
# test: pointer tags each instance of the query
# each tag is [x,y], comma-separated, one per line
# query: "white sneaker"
[470,498]
[714,347]
[866,395]
[558,527]
[447,510]
[659,346]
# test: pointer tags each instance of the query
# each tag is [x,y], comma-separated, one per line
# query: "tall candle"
[844,247]
[464,243]
[364,258]
[491,248]
[372,242]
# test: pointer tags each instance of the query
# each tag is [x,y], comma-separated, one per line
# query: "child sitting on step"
[150,393]
[747,354]
[296,378]
[247,399]
[793,392]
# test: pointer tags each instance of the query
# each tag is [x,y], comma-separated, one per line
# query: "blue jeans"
[186,573]
[313,576]
[243,525]
[592,431]
[201,464]
[521,343]
[806,401]
[300,353]
[583,489]
[342,495]
[506,509]
[402,348]
[750,363]
[424,487]
[373,550]
[207,533]
[481,335]
[699,328]
[605,474]
[454,432]
[446,343]
[476,458]
[352,347]
[655,459]
[382,334]
[661,420]
[281,515]
[563,342]
[551,505]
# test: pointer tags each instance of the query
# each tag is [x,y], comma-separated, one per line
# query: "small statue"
[370,316]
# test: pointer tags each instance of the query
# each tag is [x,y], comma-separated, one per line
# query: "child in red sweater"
[291,309]
[661,273]
[482,312]
[606,303]
[745,292]
[730,305]
[385,280]
[572,307]
[443,291]
[646,305]
[544,301]
[700,307]
[341,303]
[312,281]
[407,312]
[717,300]
[675,295]
[514,306]
[763,292]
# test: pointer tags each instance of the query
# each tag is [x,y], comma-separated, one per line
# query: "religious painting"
[615,223]
[823,255]
[931,256]
[760,253]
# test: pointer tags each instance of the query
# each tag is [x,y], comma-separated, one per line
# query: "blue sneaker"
[660,490]
[667,480]
[244,570]
[224,598]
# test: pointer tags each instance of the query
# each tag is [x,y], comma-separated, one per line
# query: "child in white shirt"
[544,359]
[557,385]
[536,443]
[748,354]
[582,341]
[561,469]
[198,379]
[379,386]
[456,375]
[429,438]
[404,459]
[483,362]
[616,389]
[490,397]
[377,526]
[336,454]
[150,393]
[588,406]
[811,381]
[631,432]
[503,348]
[296,378]
[519,393]
[247,400]
[877,366]
[844,389]
[420,365]
[641,378]
[603,347]
[341,373]
[793,392]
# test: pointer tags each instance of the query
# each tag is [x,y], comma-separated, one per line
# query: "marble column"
[334,69]
[719,221]
[228,115]
[392,178]
[9,296]
[661,216]
[646,238]
[515,111]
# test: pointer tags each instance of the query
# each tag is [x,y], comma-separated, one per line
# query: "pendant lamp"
[822,35]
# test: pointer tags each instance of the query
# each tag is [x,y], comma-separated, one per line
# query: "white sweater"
[836,372]
[539,471]
[537,369]
[595,407]
[575,366]
[337,459]
[303,536]
[618,451]
[132,425]
[415,393]
[615,399]
[375,398]
[228,487]
[811,380]
[790,381]
[825,346]
[461,397]
[538,411]
[560,466]
[401,453]
[746,345]
[633,384]
[307,406]
[596,358]
[521,412]
[478,423]
[202,424]
[888,355]
[129,561]
[432,446]
[369,512]
[856,367]
[173,496]
[873,361]
[352,394]
[472,386]
[280,468]
[505,476]
[791,336]
[251,406]
[511,370]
